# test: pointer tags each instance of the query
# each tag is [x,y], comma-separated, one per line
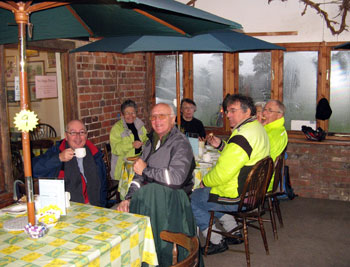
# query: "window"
[165,79]
[299,86]
[298,76]
[339,121]
[207,88]
[255,75]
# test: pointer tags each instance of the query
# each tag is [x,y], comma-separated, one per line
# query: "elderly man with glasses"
[84,175]
[222,186]
[162,182]
[273,121]
[167,158]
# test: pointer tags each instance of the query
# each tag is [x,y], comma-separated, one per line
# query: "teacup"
[80,152]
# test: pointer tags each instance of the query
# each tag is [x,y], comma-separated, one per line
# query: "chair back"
[106,150]
[43,131]
[191,244]
[254,190]
[112,185]
[278,171]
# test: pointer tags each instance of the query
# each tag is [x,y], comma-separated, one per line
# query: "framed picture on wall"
[32,53]
[10,68]
[32,92]
[51,60]
[10,94]
[35,68]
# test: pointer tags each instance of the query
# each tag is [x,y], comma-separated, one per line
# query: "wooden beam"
[271,33]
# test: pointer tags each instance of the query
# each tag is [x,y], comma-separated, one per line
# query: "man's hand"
[137,144]
[124,206]
[66,155]
[139,166]
[213,140]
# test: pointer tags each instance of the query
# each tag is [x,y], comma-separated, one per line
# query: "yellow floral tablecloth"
[87,236]
[125,181]
[198,173]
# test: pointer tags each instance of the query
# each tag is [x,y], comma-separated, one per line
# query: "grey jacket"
[172,164]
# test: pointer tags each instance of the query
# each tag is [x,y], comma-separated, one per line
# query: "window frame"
[231,79]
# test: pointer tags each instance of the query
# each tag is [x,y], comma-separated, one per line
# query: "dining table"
[86,236]
[201,169]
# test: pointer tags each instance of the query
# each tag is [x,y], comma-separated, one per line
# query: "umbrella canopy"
[91,18]
[215,41]
[106,18]
[343,46]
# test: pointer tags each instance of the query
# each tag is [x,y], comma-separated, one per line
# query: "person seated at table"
[85,177]
[189,124]
[127,137]
[259,109]
[273,121]
[167,158]
[222,185]
[163,179]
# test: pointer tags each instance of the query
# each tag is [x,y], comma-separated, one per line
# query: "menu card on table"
[52,193]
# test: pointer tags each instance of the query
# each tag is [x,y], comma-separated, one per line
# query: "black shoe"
[234,241]
[216,248]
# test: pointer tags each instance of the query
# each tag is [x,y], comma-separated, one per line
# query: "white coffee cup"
[80,152]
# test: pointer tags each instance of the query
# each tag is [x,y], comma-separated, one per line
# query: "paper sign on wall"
[46,86]
[17,89]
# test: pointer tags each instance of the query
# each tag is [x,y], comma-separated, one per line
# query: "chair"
[112,190]
[189,243]
[169,209]
[43,131]
[277,190]
[250,206]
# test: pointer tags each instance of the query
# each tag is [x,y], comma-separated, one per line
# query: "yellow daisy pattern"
[87,236]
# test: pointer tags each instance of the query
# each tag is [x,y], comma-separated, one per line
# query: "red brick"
[84,98]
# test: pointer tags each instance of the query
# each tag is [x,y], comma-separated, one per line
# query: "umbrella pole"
[177,63]
[22,20]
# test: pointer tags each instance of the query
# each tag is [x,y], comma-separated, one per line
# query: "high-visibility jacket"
[247,145]
[278,140]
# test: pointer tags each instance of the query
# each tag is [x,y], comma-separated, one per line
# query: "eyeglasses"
[81,133]
[130,113]
[159,116]
[232,110]
[271,111]
[188,108]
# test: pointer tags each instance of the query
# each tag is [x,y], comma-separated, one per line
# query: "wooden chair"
[277,190]
[250,206]
[43,131]
[112,190]
[191,244]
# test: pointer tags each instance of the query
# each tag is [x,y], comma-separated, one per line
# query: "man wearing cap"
[273,121]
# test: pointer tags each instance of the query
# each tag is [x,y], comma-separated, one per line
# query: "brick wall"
[320,170]
[104,81]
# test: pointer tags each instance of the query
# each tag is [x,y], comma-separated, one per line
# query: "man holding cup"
[79,162]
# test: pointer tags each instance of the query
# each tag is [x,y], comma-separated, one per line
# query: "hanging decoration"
[26,120]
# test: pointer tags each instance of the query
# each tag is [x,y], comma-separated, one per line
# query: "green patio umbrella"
[343,46]
[94,18]
[105,18]
[214,41]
